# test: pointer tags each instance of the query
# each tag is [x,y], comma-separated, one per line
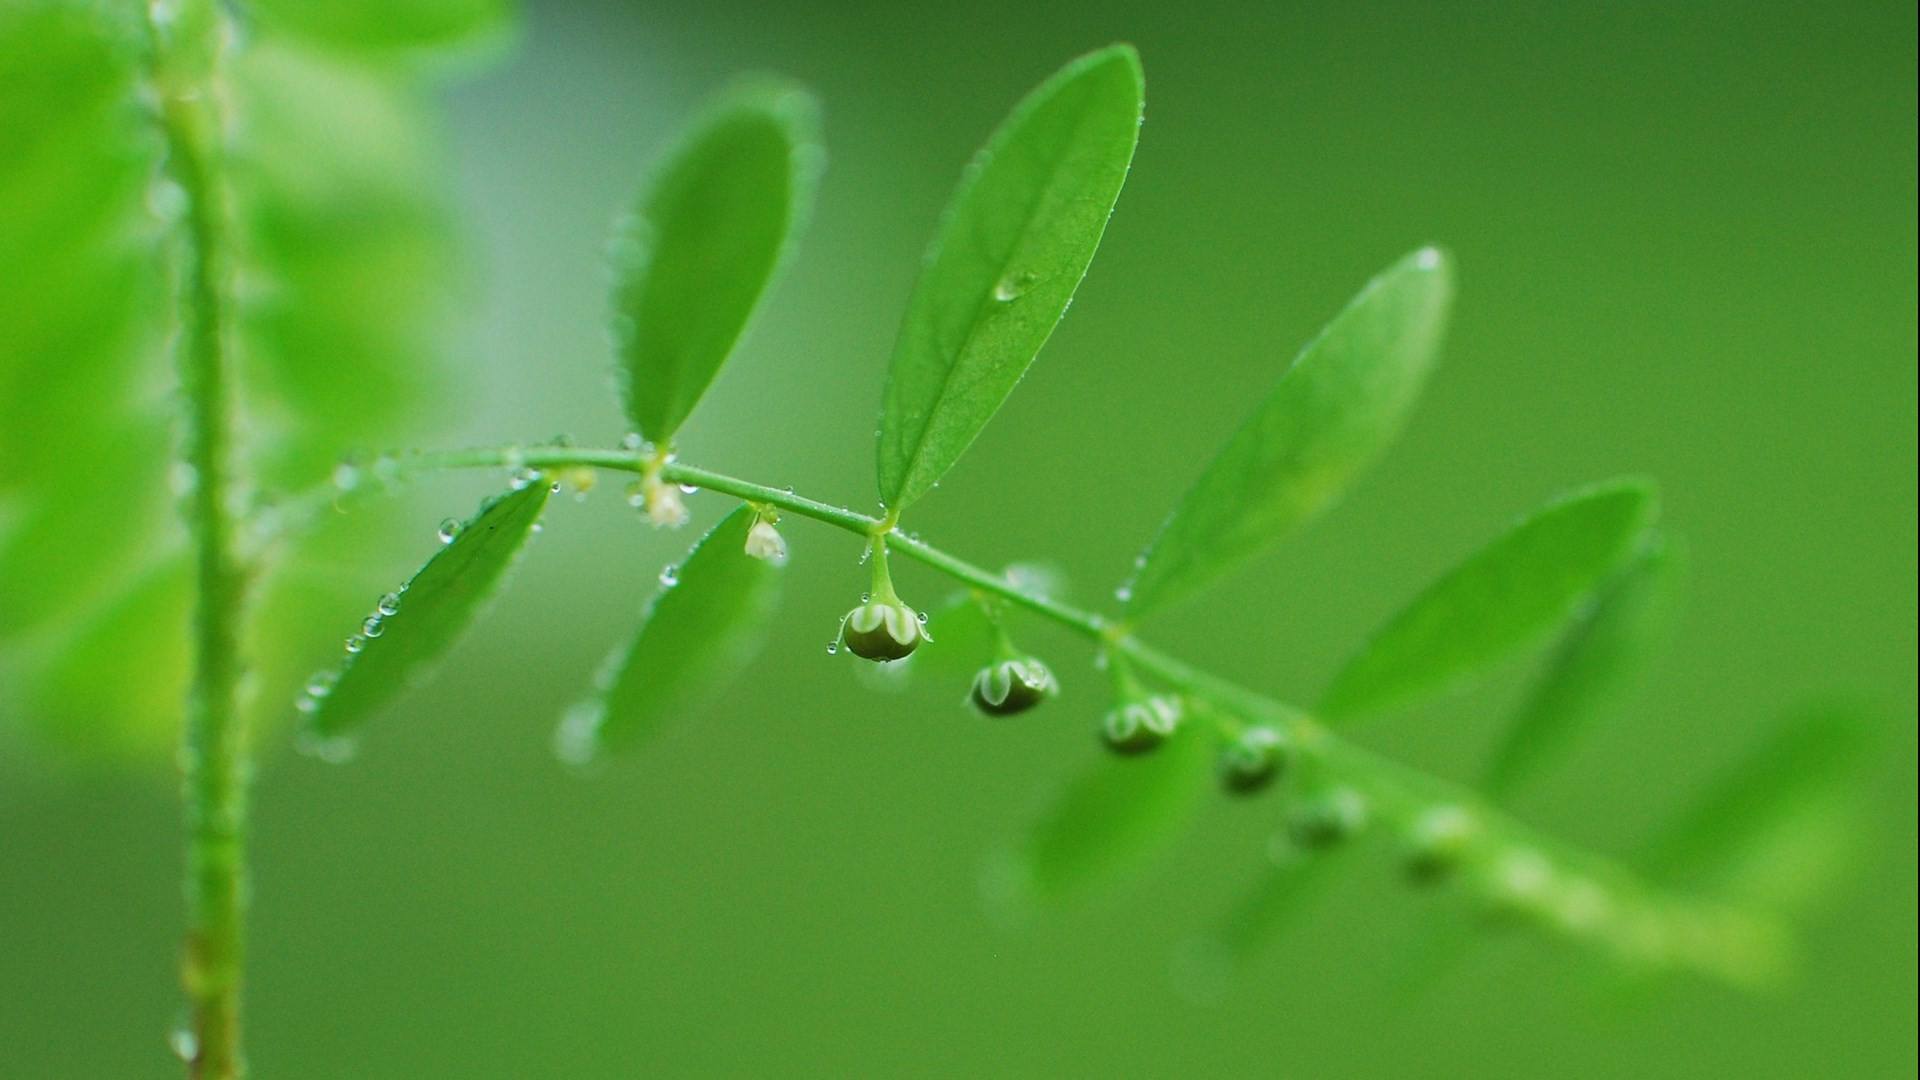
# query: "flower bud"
[1328,818]
[882,630]
[665,508]
[765,542]
[1253,759]
[1134,727]
[1436,842]
[1012,686]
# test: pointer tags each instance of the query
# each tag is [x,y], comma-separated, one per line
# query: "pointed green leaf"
[1507,596]
[434,608]
[1333,412]
[1595,663]
[382,30]
[1113,816]
[692,260]
[694,636]
[1014,244]
[1776,824]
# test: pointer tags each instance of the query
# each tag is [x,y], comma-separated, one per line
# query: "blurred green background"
[1686,239]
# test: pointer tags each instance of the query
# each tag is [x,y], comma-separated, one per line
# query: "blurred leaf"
[1333,412]
[1596,662]
[694,258]
[79,301]
[434,608]
[348,256]
[1278,897]
[390,29]
[1777,824]
[1014,244]
[1115,815]
[114,688]
[693,637]
[1504,598]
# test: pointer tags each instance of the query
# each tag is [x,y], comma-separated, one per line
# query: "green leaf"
[961,633]
[694,636]
[350,251]
[1113,816]
[1014,244]
[1504,598]
[434,608]
[1334,411]
[1776,825]
[693,259]
[390,29]
[1595,663]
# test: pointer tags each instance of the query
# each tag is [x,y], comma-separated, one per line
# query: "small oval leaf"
[1014,244]
[691,262]
[1596,662]
[1505,597]
[431,612]
[1333,412]
[1113,816]
[1777,824]
[695,633]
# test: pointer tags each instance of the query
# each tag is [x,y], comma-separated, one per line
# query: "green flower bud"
[1328,818]
[1012,686]
[882,630]
[1134,727]
[1253,760]
[1436,843]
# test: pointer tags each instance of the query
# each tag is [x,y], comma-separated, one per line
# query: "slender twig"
[1569,890]
[185,41]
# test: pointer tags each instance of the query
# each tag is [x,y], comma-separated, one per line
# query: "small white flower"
[765,542]
[665,508]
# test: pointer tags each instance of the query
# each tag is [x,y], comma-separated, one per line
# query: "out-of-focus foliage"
[343,275]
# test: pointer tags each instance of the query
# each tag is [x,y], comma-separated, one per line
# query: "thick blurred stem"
[213,755]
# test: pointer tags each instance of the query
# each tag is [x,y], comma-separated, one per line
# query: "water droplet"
[449,529]
[1124,593]
[346,476]
[923,617]
[864,597]
[356,643]
[689,489]
[514,457]
[183,1042]
[669,576]
[373,627]
[632,441]
[332,749]
[833,648]
[389,604]
[1010,288]
[321,684]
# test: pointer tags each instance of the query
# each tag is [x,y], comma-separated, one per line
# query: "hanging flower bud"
[1328,818]
[1436,843]
[765,542]
[1253,759]
[1137,726]
[1012,686]
[665,508]
[882,630]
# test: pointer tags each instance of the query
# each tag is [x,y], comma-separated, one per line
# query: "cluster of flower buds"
[1012,686]
[1140,723]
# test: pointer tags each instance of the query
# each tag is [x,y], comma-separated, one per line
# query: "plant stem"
[1641,924]
[213,753]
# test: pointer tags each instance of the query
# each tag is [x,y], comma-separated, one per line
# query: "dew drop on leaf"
[449,529]
[669,576]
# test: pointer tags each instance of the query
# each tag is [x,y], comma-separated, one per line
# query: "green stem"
[1639,922]
[213,754]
